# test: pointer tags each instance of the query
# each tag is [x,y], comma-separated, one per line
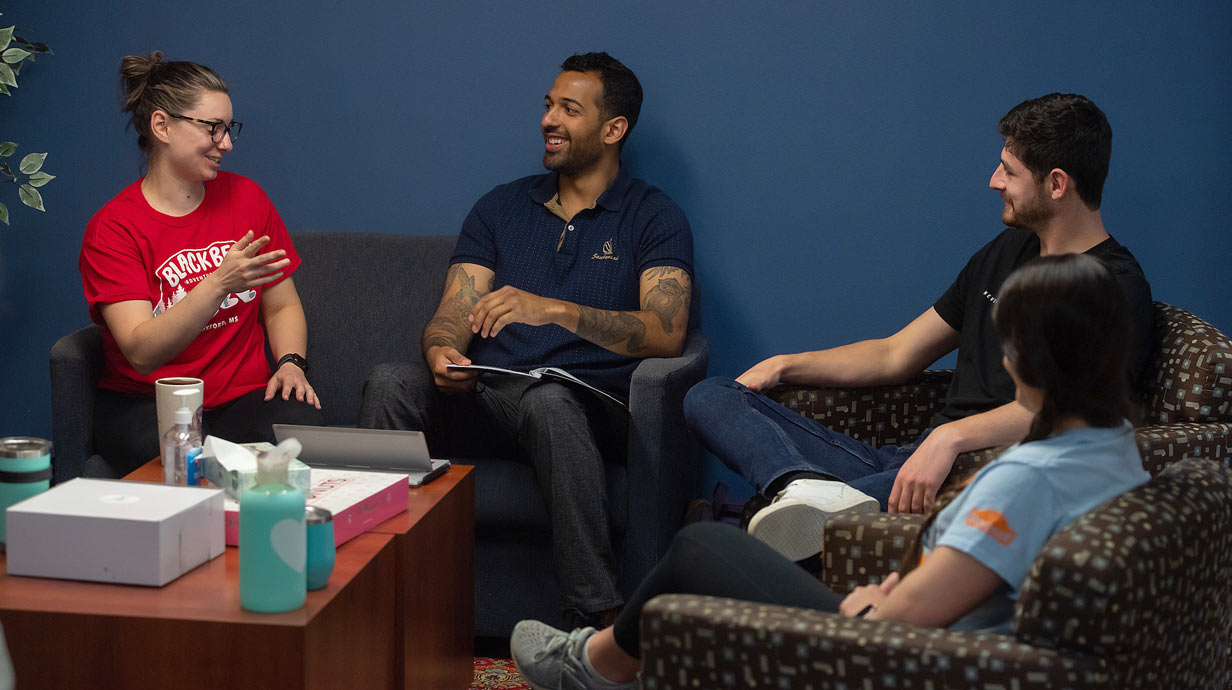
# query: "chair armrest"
[1163,444]
[691,641]
[877,415]
[662,456]
[76,363]
[862,548]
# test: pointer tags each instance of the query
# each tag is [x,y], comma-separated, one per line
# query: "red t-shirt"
[133,252]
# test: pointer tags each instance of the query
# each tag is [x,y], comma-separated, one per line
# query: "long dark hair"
[1063,322]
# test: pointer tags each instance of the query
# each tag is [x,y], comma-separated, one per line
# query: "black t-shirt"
[980,381]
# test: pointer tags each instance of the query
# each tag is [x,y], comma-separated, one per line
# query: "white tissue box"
[234,482]
[115,531]
[232,467]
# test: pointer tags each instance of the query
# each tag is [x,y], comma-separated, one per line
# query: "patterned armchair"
[1187,411]
[1134,594]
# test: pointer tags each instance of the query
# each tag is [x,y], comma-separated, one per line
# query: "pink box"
[358,500]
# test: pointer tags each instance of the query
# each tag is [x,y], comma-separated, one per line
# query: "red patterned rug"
[497,674]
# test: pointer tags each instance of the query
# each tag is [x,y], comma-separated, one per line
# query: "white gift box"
[115,531]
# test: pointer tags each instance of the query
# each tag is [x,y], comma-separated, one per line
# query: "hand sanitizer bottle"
[273,540]
[182,446]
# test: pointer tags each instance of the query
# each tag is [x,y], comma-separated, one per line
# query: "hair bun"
[136,72]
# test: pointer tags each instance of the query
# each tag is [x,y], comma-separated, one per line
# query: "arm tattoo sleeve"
[667,299]
[609,328]
[448,326]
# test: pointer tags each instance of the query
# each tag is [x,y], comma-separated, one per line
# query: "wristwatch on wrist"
[293,358]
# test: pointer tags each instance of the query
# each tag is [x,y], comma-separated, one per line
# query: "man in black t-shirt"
[1051,177]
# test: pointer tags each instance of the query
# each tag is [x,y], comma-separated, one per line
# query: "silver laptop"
[377,450]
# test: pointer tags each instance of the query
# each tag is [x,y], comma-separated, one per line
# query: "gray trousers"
[565,433]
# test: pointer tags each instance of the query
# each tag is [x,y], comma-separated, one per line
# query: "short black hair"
[622,92]
[1066,131]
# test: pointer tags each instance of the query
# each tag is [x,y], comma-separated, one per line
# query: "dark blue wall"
[832,157]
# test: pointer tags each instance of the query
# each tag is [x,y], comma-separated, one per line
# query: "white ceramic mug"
[167,401]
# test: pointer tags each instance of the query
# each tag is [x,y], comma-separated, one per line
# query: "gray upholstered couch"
[367,298]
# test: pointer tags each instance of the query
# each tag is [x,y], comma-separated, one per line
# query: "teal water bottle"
[25,470]
[273,541]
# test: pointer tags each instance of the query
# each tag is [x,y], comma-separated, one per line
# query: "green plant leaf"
[4,168]
[4,214]
[6,35]
[6,75]
[39,179]
[7,148]
[31,197]
[13,55]
[5,90]
[32,163]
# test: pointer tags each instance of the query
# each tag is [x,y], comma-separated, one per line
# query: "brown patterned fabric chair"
[1133,595]
[1188,414]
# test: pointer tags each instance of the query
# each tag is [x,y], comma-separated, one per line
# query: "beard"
[579,155]
[1026,214]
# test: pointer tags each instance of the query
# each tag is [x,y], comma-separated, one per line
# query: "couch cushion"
[367,298]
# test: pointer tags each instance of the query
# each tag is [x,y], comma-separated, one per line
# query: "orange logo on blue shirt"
[993,523]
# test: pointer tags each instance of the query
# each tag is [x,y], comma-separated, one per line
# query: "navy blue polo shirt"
[595,259]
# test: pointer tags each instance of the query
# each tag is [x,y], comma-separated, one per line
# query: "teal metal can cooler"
[320,528]
[25,470]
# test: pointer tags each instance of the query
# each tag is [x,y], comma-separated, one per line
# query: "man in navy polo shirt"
[585,269]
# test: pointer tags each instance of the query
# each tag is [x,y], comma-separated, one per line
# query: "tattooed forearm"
[609,328]
[448,326]
[666,300]
[466,284]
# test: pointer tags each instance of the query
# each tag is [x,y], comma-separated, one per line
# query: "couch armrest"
[1163,444]
[693,641]
[862,548]
[877,415]
[76,364]
[663,455]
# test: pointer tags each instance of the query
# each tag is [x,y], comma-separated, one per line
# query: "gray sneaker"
[551,659]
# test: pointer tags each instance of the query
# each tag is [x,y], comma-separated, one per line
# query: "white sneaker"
[793,522]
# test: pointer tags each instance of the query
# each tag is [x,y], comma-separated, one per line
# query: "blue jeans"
[761,441]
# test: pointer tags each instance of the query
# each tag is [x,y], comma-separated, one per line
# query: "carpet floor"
[497,674]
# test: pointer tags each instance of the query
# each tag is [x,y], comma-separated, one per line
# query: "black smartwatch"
[293,359]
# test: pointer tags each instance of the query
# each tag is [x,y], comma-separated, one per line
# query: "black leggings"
[126,424]
[716,559]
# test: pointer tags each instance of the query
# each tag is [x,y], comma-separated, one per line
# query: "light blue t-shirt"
[1015,504]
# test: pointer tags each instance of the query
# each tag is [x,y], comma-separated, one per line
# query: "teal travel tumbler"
[320,546]
[25,470]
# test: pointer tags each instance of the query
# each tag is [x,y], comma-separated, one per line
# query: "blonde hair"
[151,83]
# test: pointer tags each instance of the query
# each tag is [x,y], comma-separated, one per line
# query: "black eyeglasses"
[218,130]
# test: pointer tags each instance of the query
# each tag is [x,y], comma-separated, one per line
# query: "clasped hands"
[507,305]
[490,314]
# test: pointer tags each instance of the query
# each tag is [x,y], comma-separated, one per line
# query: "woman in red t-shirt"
[182,267]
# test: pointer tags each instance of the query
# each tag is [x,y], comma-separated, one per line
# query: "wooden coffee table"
[398,612]
[435,583]
[192,633]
